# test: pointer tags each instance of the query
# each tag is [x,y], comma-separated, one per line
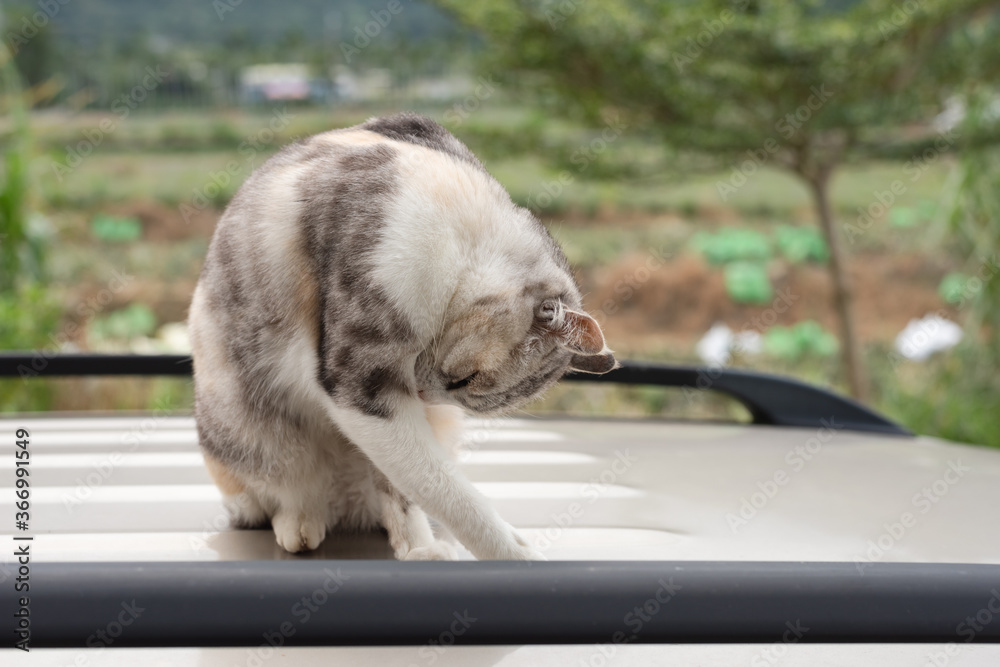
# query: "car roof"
[135,488]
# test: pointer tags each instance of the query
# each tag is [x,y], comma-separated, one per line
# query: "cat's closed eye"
[458,384]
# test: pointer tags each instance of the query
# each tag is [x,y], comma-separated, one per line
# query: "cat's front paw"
[296,533]
[437,550]
[525,551]
[515,547]
[529,553]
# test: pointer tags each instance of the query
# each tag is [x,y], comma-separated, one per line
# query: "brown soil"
[165,223]
[678,302]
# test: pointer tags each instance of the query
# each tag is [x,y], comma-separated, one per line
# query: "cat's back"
[395,205]
[347,189]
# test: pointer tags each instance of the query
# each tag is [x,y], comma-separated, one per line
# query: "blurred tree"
[801,85]
[30,42]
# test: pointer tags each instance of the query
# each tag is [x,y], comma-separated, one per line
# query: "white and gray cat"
[362,285]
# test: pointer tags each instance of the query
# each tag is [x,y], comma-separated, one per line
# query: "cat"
[363,287]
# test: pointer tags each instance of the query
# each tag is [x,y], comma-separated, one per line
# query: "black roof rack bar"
[771,399]
[243,603]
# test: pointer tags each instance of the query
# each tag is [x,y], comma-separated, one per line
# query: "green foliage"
[20,249]
[959,395]
[115,229]
[910,216]
[954,397]
[747,282]
[122,325]
[732,244]
[803,85]
[952,287]
[804,339]
[29,315]
[590,246]
[801,244]
[727,78]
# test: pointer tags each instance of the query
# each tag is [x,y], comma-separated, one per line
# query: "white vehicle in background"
[820,534]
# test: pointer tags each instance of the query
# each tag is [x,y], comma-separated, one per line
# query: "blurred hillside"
[116,24]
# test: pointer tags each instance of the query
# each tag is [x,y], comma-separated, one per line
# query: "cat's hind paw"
[297,533]
[437,550]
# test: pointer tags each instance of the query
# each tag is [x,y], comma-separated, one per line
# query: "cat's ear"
[594,363]
[580,333]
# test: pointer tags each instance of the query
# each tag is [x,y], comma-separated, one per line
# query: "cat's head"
[501,352]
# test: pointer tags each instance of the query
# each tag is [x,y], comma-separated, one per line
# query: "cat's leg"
[270,471]
[410,533]
[242,505]
[400,443]
[300,497]
[297,526]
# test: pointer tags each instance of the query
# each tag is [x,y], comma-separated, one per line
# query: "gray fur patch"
[343,217]
[422,131]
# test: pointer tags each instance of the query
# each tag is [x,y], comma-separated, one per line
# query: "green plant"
[952,287]
[29,316]
[121,325]
[801,244]
[115,229]
[21,250]
[747,282]
[804,339]
[731,244]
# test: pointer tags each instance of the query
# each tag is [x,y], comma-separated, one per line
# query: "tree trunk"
[852,362]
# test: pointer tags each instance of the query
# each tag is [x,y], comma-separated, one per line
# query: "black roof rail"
[365,603]
[770,399]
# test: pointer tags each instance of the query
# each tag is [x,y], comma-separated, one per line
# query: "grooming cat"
[362,284]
